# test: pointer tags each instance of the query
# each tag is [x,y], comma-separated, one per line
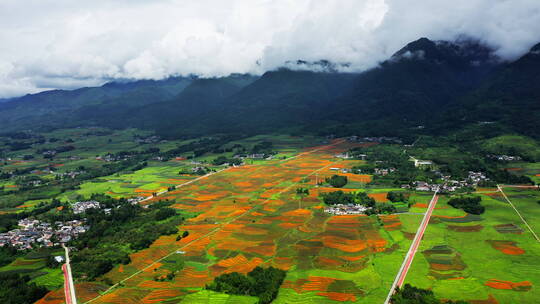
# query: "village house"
[341,209]
[36,233]
[80,207]
[504,157]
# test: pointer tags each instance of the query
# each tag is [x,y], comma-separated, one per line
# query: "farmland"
[251,216]
[490,257]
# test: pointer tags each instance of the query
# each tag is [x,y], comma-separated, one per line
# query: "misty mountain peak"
[535,50]
[463,51]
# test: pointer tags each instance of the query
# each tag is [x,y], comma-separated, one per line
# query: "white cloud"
[64,43]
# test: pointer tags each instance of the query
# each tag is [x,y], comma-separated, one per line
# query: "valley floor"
[251,216]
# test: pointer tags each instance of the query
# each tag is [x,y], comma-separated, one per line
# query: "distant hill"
[55,108]
[510,97]
[441,85]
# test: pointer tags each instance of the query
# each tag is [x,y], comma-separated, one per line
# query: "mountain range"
[440,85]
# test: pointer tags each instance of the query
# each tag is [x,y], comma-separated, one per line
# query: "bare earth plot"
[251,216]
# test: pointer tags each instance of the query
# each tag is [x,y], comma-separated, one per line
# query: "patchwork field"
[490,257]
[158,176]
[251,216]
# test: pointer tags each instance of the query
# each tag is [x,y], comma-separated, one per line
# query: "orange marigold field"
[516,286]
[160,295]
[316,284]
[506,247]
[344,244]
[241,244]
[379,197]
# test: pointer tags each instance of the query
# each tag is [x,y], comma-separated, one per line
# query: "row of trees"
[340,197]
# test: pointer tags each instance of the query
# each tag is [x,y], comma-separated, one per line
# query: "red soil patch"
[506,247]
[338,296]
[516,286]
[456,278]
[420,205]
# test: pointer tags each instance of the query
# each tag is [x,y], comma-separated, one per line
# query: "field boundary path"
[215,230]
[519,214]
[402,273]
[69,287]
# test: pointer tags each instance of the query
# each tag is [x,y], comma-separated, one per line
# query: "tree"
[164,213]
[396,197]
[413,295]
[468,204]
[302,191]
[17,289]
[337,181]
[260,282]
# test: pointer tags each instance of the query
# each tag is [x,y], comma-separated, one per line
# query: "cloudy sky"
[68,44]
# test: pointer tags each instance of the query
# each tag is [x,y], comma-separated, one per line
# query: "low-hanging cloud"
[67,44]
